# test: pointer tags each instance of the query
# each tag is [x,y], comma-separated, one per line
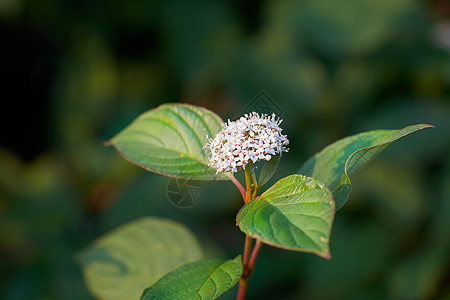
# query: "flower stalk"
[248,183]
[238,185]
[249,256]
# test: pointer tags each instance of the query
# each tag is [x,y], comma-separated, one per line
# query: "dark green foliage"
[334,71]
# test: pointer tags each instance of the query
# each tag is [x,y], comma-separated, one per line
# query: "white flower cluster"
[245,141]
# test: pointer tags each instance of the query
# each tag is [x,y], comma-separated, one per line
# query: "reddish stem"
[242,291]
[248,260]
[248,267]
[247,250]
[251,263]
[238,185]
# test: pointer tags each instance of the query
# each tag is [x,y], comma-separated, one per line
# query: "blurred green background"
[74,73]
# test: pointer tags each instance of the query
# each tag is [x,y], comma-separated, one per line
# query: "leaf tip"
[423,126]
[107,143]
[327,256]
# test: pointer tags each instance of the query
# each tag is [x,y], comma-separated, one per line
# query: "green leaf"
[128,259]
[206,279]
[168,140]
[268,170]
[296,213]
[335,163]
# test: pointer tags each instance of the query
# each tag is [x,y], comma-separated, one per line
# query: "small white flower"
[245,141]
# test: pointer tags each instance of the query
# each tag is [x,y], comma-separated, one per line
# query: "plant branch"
[238,185]
[255,192]
[248,263]
[251,263]
[247,250]
[255,186]
[242,291]
[249,256]
[248,183]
